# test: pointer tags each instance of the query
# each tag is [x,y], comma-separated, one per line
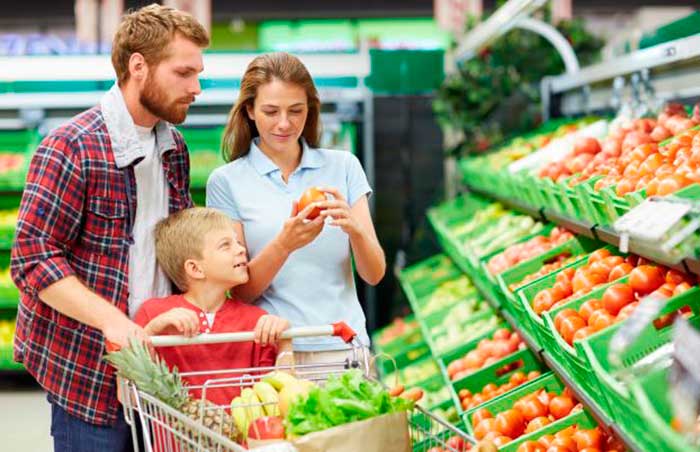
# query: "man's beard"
[154,99]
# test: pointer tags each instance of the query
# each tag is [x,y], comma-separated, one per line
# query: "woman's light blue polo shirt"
[315,286]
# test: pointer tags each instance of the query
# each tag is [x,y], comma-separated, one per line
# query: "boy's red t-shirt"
[233,316]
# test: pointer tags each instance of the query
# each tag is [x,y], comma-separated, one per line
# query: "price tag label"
[685,374]
[651,220]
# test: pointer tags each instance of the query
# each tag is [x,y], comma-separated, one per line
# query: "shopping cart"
[162,428]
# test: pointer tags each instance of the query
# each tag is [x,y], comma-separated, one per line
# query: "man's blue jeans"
[71,434]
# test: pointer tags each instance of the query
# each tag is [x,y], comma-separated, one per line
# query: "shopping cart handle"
[343,331]
[339,329]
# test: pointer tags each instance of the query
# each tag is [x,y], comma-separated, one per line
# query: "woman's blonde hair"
[149,31]
[240,129]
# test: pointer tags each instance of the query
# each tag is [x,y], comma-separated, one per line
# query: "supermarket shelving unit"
[41,92]
[672,69]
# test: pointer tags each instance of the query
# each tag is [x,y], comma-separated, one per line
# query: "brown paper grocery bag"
[387,433]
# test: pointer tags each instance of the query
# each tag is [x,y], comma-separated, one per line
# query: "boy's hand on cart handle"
[269,329]
[177,320]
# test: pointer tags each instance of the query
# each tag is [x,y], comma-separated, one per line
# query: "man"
[84,256]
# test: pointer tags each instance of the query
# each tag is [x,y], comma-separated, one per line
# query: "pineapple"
[153,377]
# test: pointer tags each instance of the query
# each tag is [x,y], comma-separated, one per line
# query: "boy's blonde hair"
[149,31]
[180,237]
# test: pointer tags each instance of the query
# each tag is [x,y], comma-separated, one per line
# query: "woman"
[299,269]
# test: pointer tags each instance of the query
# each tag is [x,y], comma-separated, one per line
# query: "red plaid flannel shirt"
[76,219]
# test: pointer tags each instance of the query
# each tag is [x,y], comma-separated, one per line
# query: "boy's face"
[224,260]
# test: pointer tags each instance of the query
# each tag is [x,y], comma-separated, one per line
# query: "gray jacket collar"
[122,131]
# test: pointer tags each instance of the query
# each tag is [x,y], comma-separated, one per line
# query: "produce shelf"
[587,230]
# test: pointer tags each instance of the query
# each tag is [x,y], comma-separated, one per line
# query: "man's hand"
[269,329]
[118,333]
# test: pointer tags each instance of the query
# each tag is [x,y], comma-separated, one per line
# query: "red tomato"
[502,333]
[646,278]
[484,427]
[456,443]
[627,311]
[532,409]
[601,321]
[537,423]
[546,440]
[619,271]
[501,441]
[588,438]
[598,255]
[569,326]
[510,423]
[676,277]
[543,301]
[561,406]
[586,145]
[518,378]
[616,297]
[583,333]
[682,287]
[531,446]
[310,196]
[533,374]
[588,307]
[561,315]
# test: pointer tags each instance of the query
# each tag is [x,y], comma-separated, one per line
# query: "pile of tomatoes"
[529,414]
[620,300]
[520,252]
[574,439]
[488,392]
[503,343]
[622,155]
[555,263]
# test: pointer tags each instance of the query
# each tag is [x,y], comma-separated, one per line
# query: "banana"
[268,396]
[240,417]
[254,410]
[279,379]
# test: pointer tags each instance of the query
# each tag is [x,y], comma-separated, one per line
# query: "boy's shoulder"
[156,306]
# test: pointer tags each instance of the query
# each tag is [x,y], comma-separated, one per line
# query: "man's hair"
[148,31]
[180,237]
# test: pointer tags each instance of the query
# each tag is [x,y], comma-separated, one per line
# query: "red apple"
[267,427]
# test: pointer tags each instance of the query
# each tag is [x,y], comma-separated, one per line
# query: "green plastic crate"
[401,359]
[655,411]
[534,324]
[593,202]
[484,316]
[427,434]
[581,418]
[616,393]
[504,402]
[577,248]
[401,342]
[495,373]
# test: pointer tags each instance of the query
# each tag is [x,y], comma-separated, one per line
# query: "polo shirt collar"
[122,131]
[310,158]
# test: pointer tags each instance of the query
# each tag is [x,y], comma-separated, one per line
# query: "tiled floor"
[24,416]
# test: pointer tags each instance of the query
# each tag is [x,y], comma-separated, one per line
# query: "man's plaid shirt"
[76,219]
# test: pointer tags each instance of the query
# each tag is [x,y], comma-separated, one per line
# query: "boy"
[198,250]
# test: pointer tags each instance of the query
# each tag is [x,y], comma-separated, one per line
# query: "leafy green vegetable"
[344,398]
